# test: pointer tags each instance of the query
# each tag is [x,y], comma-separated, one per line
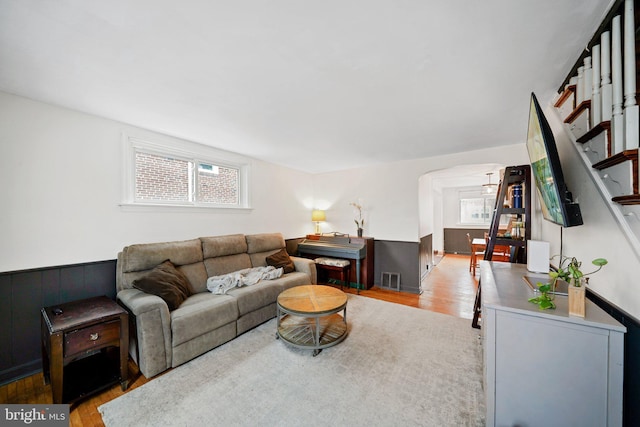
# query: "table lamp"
[318,216]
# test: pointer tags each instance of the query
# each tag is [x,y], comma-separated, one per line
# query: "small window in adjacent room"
[176,176]
[476,210]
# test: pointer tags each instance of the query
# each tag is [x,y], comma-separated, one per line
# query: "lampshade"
[318,215]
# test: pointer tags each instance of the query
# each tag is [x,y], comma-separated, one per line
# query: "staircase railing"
[598,105]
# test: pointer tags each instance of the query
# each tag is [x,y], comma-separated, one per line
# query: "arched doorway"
[440,195]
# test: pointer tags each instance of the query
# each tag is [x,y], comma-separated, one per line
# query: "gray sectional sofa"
[162,338]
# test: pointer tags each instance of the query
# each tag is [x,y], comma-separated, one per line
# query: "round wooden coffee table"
[308,317]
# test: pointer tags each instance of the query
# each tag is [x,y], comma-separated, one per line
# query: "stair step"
[616,159]
[570,90]
[595,131]
[579,120]
[631,199]
[584,105]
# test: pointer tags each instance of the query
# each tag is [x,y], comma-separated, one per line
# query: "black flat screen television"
[556,201]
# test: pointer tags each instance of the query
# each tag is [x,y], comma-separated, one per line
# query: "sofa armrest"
[150,343]
[306,265]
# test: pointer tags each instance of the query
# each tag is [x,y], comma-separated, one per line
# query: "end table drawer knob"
[92,338]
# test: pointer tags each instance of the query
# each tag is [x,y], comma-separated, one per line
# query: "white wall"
[426,201]
[61,173]
[437,243]
[391,192]
[600,236]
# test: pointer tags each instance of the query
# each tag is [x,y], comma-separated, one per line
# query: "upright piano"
[359,249]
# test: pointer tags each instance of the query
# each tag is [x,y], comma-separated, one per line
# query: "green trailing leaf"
[545,304]
[600,262]
[544,288]
[544,301]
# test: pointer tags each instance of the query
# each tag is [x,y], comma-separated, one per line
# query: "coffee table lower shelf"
[312,333]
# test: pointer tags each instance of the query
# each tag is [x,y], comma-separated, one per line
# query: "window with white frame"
[476,210]
[183,175]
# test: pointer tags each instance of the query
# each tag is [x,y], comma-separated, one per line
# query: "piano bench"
[343,266]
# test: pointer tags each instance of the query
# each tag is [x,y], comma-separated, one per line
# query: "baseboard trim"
[17,372]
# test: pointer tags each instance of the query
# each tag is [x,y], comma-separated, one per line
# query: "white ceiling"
[313,85]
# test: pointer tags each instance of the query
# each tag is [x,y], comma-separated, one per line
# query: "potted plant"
[359,220]
[569,271]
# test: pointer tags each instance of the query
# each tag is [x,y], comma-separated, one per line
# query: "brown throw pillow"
[281,259]
[166,282]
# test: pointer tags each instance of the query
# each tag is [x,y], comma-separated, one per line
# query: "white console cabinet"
[544,367]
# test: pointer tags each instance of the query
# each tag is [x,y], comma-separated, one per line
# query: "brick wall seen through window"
[218,185]
[160,178]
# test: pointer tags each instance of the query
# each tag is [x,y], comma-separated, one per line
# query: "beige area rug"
[399,366]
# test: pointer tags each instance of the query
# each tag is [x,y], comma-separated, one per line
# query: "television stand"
[545,367]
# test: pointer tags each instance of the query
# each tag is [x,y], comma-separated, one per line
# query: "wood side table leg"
[56,366]
[44,343]
[124,352]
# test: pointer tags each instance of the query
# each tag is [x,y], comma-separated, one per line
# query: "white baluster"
[596,101]
[631,130]
[605,70]
[580,86]
[587,79]
[617,121]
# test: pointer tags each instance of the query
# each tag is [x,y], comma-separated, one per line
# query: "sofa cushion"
[281,259]
[266,242]
[223,245]
[200,314]
[147,255]
[197,275]
[253,297]
[226,264]
[166,282]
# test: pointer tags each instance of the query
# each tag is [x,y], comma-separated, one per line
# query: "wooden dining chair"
[475,256]
[500,252]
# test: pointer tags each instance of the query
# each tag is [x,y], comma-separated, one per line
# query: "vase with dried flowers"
[358,220]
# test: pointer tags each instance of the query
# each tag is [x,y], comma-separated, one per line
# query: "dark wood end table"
[85,346]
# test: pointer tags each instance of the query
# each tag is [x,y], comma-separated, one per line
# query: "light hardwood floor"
[449,288]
